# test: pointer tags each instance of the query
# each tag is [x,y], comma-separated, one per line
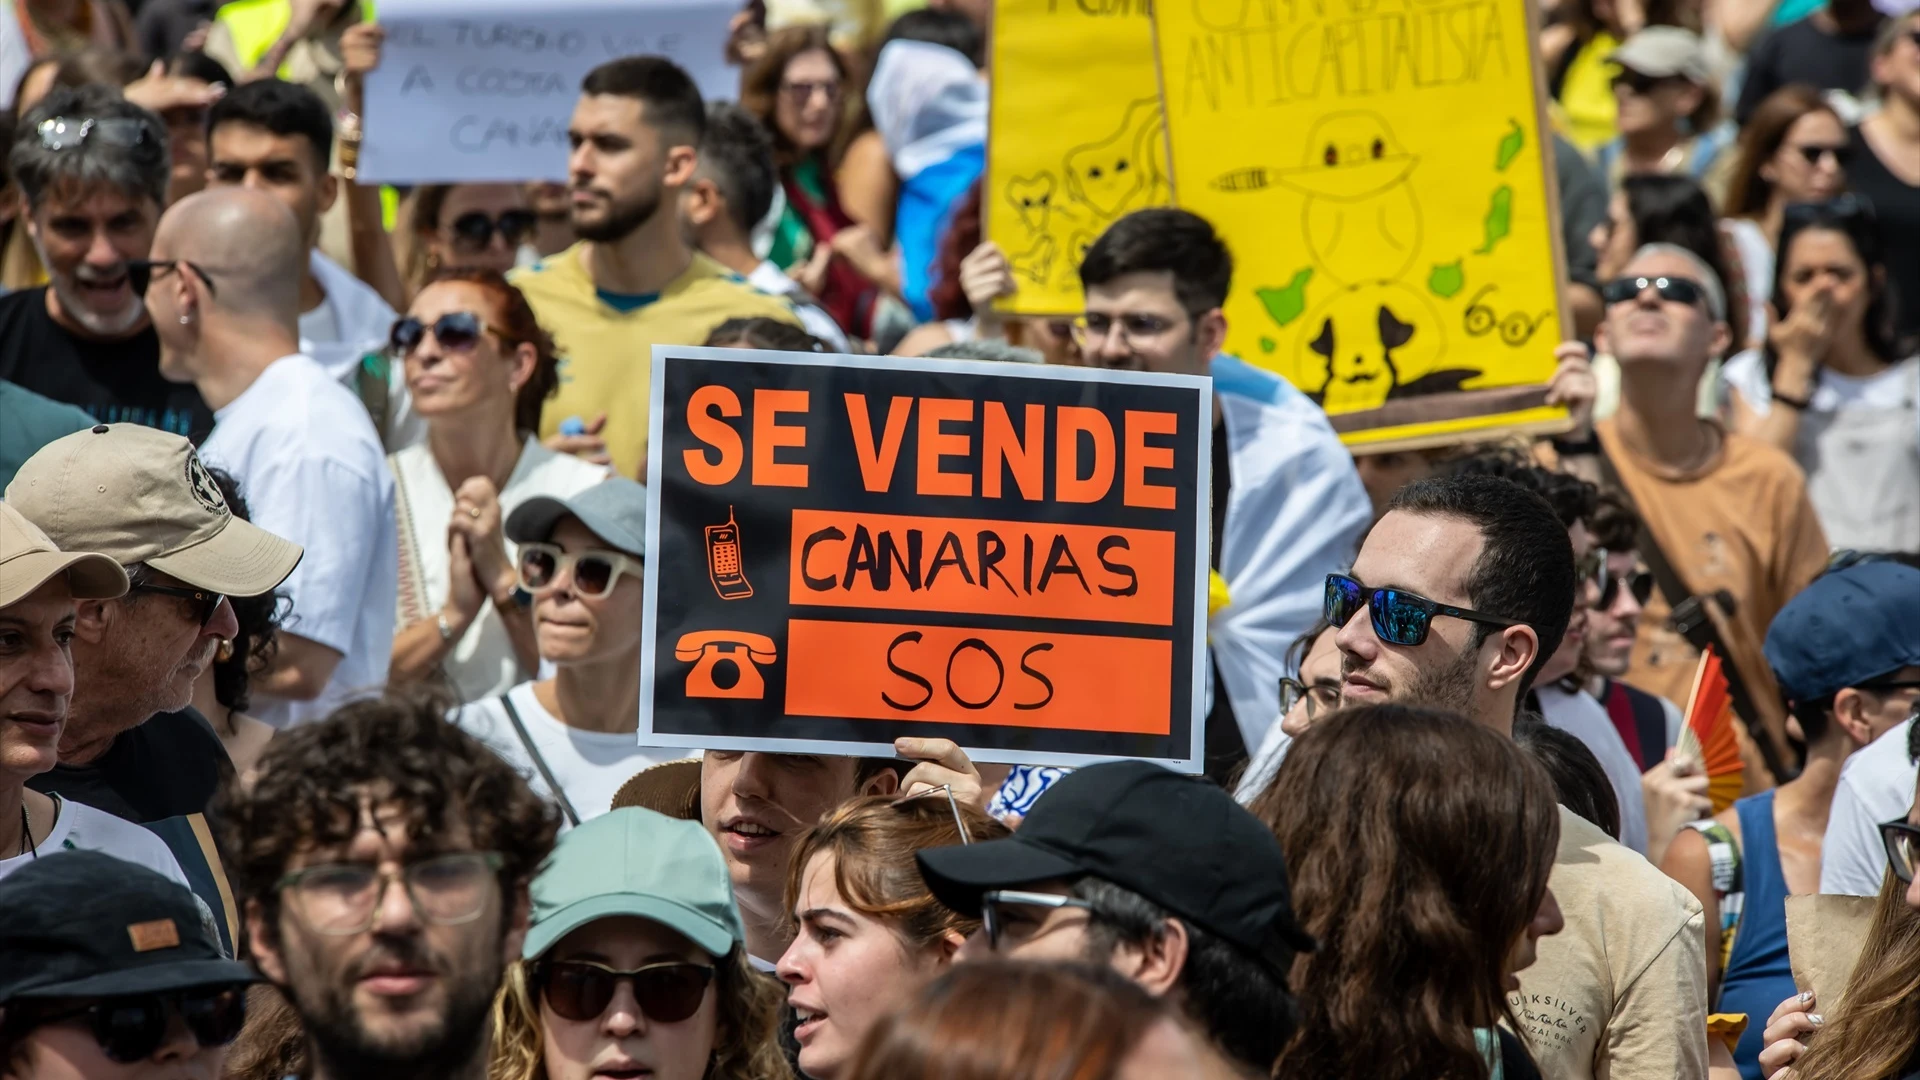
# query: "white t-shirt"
[1876,785]
[1579,715]
[77,827]
[1859,443]
[589,765]
[312,470]
[350,322]
[770,279]
[1756,258]
[482,663]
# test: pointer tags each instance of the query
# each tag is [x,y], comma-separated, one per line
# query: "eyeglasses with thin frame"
[581,990]
[338,899]
[130,1028]
[142,271]
[1902,841]
[992,899]
[1134,327]
[67,132]
[1399,617]
[207,599]
[801,93]
[1318,696]
[595,573]
[1671,288]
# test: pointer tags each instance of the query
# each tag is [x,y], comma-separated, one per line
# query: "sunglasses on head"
[1903,847]
[473,230]
[595,573]
[130,1029]
[456,331]
[67,132]
[1399,617]
[1679,290]
[581,990]
[206,601]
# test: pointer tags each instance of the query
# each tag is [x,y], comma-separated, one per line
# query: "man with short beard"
[93,169]
[1458,600]
[383,857]
[631,282]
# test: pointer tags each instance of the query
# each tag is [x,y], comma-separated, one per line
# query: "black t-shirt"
[1801,52]
[114,381]
[1515,1062]
[1896,204]
[162,775]
[169,766]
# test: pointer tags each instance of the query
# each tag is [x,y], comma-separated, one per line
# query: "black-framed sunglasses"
[130,1029]
[473,230]
[1639,583]
[140,272]
[994,899]
[1679,290]
[1399,617]
[1318,696]
[207,600]
[1641,83]
[1902,841]
[67,132]
[1843,208]
[1813,152]
[456,331]
[581,990]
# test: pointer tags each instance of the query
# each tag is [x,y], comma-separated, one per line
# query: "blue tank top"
[1758,976]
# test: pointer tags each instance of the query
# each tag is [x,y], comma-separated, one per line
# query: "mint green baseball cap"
[636,862]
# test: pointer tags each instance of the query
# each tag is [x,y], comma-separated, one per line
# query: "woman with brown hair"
[1426,893]
[1793,149]
[635,963]
[478,366]
[1017,1021]
[466,227]
[1874,1032]
[797,88]
[869,932]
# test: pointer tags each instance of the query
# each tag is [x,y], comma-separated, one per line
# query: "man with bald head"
[1727,511]
[224,294]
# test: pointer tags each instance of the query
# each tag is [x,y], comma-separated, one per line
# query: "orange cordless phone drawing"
[723,560]
[739,650]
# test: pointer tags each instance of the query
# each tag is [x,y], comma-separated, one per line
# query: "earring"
[225,652]
[186,320]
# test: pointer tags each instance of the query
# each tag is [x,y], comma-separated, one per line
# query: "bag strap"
[1670,584]
[539,762]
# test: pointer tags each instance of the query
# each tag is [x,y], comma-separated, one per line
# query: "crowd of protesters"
[322,554]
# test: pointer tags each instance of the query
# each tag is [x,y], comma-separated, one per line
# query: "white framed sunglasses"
[595,572]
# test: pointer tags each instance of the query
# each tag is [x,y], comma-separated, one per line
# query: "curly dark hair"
[761,332]
[257,640]
[401,747]
[1573,499]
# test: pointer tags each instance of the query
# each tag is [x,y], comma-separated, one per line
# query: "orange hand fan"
[1708,737]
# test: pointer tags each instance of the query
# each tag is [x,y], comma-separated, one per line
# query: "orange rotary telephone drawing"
[723,561]
[740,651]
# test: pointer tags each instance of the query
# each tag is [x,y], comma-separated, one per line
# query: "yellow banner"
[1075,138]
[1376,169]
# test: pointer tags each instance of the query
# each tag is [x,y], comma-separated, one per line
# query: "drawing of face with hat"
[1362,223]
[1350,156]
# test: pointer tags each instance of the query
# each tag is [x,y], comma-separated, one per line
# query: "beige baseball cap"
[29,560]
[140,495]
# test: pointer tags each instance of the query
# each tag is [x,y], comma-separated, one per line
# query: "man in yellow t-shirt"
[631,282]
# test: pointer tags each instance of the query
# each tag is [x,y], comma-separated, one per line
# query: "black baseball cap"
[85,924]
[1178,841]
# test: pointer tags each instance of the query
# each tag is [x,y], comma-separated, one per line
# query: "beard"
[347,1048]
[621,217]
[1449,688]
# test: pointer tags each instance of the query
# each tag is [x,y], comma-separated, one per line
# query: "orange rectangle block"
[959,675]
[974,566]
